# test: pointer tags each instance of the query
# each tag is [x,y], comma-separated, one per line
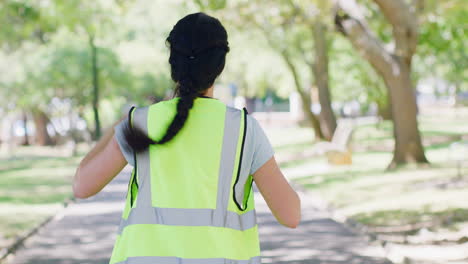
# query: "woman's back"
[187,187]
[193,151]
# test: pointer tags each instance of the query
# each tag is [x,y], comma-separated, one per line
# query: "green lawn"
[368,193]
[34,183]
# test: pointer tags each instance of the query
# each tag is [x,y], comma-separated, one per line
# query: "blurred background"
[365,103]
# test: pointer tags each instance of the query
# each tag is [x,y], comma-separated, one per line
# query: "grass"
[446,217]
[34,183]
[368,193]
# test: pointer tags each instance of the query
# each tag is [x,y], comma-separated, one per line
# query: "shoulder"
[165,104]
[252,123]
[233,109]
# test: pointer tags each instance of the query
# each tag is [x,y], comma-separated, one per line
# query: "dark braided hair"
[198,46]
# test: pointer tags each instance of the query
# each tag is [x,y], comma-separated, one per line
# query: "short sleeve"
[262,149]
[123,144]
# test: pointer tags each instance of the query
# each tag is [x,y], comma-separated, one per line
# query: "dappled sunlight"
[411,201]
[315,240]
[407,198]
[92,224]
[89,224]
[281,138]
[430,253]
[33,187]
[19,208]
[95,208]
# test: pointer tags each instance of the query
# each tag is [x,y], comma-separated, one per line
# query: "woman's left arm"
[99,166]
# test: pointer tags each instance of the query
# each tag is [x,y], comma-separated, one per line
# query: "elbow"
[292,220]
[295,218]
[78,194]
[293,223]
[79,191]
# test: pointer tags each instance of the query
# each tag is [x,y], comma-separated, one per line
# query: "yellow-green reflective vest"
[189,200]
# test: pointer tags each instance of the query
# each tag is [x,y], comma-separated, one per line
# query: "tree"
[286,29]
[441,53]
[393,64]
[27,23]
[17,93]
[314,15]
[286,43]
[90,20]
[26,20]
[73,59]
[41,121]
[304,95]
[321,77]
[62,70]
[353,79]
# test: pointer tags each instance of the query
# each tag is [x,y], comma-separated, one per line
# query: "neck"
[209,92]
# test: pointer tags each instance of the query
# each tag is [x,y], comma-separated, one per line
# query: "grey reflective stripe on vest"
[145,213]
[226,167]
[187,217]
[175,260]
[140,120]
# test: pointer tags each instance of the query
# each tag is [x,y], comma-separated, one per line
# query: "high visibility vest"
[189,200]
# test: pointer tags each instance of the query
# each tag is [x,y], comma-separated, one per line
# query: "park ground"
[416,211]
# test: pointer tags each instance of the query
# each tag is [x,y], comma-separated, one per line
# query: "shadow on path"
[317,240]
[84,233]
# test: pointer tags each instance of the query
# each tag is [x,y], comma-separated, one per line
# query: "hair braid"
[184,105]
[198,45]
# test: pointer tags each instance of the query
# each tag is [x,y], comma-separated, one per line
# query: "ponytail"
[139,141]
[198,45]
[184,105]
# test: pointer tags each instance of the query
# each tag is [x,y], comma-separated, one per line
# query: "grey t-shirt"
[257,146]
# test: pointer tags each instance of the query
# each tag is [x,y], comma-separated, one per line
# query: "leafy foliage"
[44,49]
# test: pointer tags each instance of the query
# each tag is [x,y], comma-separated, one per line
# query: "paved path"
[84,234]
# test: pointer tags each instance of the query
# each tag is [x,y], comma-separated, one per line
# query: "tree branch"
[287,59]
[403,19]
[351,23]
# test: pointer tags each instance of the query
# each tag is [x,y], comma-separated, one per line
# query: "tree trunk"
[320,72]
[305,98]
[310,116]
[384,110]
[41,120]
[26,132]
[95,74]
[393,65]
[408,144]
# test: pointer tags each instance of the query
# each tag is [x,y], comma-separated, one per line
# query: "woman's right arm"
[281,198]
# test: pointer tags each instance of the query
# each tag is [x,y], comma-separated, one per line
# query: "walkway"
[84,234]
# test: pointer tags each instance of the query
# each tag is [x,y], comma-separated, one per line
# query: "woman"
[194,162]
